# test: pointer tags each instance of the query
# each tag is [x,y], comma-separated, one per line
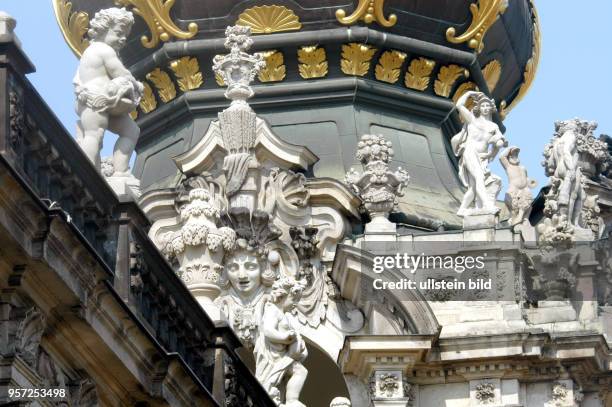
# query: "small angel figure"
[106,92]
[280,349]
[518,196]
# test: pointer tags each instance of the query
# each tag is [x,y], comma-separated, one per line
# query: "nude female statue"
[476,145]
[106,91]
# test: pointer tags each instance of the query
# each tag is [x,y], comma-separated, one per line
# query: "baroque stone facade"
[252,277]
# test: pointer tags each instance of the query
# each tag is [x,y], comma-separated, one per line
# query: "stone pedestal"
[127,188]
[380,225]
[483,221]
[551,311]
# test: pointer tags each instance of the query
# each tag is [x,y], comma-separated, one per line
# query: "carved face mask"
[244,272]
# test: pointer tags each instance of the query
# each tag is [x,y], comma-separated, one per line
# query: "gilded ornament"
[148,102]
[187,72]
[492,72]
[447,77]
[356,58]
[530,68]
[465,87]
[269,19]
[313,62]
[73,24]
[163,83]
[418,73]
[219,80]
[274,70]
[156,13]
[134,114]
[389,66]
[484,14]
[369,11]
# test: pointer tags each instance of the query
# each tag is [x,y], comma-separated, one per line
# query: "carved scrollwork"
[73,24]
[156,13]
[484,14]
[369,11]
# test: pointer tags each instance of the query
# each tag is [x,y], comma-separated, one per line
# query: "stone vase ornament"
[199,247]
[106,93]
[378,186]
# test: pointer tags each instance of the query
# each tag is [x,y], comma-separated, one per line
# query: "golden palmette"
[274,70]
[313,63]
[389,66]
[187,71]
[269,19]
[148,102]
[418,73]
[356,58]
[447,77]
[163,83]
[492,72]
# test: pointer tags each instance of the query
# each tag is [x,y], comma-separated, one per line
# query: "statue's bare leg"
[467,200]
[128,131]
[92,126]
[295,385]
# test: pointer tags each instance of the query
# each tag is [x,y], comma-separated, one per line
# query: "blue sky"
[574,78]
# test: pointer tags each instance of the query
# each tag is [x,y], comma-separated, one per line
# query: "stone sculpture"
[518,196]
[280,349]
[249,272]
[238,122]
[476,145]
[106,92]
[378,186]
[572,156]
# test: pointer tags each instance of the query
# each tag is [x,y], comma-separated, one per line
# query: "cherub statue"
[280,349]
[106,92]
[476,145]
[518,196]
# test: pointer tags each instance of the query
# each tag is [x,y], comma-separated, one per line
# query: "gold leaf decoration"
[368,11]
[465,87]
[156,13]
[148,102]
[134,114]
[313,62]
[187,71]
[484,14]
[356,58]
[492,72]
[447,77]
[418,73]
[389,66]
[219,80]
[74,25]
[530,68]
[269,19]
[275,69]
[163,83]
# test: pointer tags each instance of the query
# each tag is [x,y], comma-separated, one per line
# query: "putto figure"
[518,196]
[106,92]
[280,349]
[476,145]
